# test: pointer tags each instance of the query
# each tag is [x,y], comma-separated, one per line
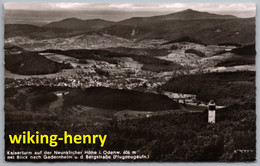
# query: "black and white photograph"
[130,82]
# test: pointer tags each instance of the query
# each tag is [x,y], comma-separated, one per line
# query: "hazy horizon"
[44,13]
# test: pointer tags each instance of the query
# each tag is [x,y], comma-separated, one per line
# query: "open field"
[145,82]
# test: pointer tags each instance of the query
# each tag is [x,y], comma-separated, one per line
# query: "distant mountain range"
[202,26]
[182,15]
[78,24]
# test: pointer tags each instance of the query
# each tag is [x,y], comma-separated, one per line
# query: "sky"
[48,12]
[133,6]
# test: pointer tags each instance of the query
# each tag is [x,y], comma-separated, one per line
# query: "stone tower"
[212,112]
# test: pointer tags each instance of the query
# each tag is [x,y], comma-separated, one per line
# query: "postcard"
[124,82]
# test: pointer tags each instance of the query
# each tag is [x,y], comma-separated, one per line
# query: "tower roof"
[212,102]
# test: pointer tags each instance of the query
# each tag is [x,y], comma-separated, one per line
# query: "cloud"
[173,6]
[232,7]
[68,5]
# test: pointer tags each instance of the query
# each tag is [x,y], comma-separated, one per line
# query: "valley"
[144,81]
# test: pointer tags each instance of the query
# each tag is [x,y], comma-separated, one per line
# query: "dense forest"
[149,62]
[116,99]
[226,88]
[175,137]
[188,137]
[185,39]
[196,52]
[31,63]
[237,61]
[141,51]
[244,55]
[121,79]
[172,136]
